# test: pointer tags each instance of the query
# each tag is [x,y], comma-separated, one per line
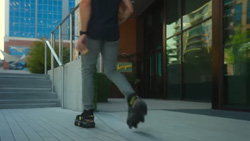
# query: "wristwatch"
[82,32]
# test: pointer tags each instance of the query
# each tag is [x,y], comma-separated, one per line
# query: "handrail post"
[62,85]
[61,59]
[71,38]
[45,59]
[52,60]
[60,43]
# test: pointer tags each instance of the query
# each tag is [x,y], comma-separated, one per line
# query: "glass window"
[173,53]
[238,14]
[19,18]
[71,4]
[50,11]
[189,46]
[248,13]
[23,13]
[197,62]
[237,53]
[173,17]
[196,11]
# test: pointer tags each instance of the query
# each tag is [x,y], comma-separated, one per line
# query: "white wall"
[72,85]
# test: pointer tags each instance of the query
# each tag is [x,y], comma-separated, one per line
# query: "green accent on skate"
[132,100]
[92,116]
[78,124]
[80,118]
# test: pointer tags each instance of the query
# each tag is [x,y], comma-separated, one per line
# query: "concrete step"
[13,81]
[26,89]
[35,86]
[29,105]
[46,84]
[21,76]
[27,95]
[27,101]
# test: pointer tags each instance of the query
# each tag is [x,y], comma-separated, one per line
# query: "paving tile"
[31,134]
[5,131]
[180,124]
[16,130]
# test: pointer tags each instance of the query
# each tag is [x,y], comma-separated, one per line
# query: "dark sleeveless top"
[103,24]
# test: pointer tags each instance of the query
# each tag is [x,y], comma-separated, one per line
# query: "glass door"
[237,52]
[189,49]
[153,51]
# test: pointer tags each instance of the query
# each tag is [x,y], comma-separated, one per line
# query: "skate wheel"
[130,123]
[75,123]
[142,119]
[135,125]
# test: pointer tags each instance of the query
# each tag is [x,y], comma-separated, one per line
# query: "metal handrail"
[60,58]
[47,43]
[72,11]
[53,55]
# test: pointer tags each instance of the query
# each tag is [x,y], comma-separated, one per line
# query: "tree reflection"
[237,51]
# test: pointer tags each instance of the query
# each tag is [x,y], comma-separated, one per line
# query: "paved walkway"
[166,121]
[14,71]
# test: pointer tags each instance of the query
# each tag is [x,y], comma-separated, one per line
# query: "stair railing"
[67,33]
[62,59]
[53,55]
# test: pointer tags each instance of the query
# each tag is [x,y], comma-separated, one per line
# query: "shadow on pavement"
[216,113]
[147,135]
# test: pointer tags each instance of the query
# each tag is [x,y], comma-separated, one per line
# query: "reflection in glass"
[173,54]
[197,57]
[196,11]
[237,51]
[197,43]
[20,19]
[173,17]
[248,12]
[238,14]
[29,22]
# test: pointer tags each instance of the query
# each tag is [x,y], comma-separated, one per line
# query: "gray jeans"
[109,52]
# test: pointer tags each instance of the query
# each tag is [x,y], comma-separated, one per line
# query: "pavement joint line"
[3,116]
[220,125]
[28,116]
[49,125]
[31,125]
[87,132]
[97,129]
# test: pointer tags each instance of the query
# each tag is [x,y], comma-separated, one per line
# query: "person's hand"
[82,44]
[125,10]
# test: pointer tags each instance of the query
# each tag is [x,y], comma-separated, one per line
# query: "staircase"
[26,91]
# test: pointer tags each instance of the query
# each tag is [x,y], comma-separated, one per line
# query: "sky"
[2,30]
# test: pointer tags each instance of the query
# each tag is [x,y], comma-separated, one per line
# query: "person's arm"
[85,12]
[125,10]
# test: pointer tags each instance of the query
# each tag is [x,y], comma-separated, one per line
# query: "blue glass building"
[36,18]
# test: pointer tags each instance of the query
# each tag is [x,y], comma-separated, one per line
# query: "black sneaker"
[137,109]
[86,119]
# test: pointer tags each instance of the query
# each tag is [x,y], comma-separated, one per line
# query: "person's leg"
[137,108]
[86,119]
[110,54]
[88,67]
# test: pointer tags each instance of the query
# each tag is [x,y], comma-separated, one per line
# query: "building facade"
[196,50]
[30,20]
